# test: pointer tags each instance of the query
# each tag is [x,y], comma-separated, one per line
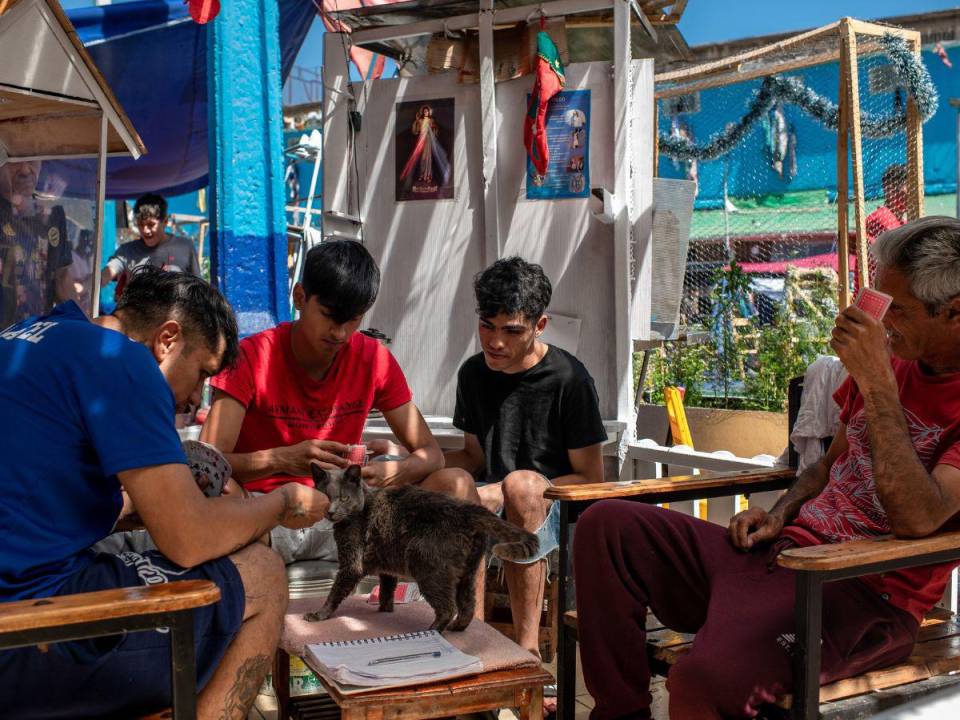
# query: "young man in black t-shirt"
[530,417]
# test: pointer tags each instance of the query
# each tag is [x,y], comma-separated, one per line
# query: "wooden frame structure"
[630,187]
[837,42]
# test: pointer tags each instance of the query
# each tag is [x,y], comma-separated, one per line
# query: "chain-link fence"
[762,278]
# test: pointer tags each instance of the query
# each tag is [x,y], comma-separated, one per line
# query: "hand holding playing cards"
[860,341]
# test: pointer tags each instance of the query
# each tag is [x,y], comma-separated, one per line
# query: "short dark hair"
[152,296]
[895,174]
[510,286]
[343,277]
[150,205]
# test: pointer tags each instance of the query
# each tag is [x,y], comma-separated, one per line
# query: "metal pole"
[98,233]
[488,121]
[566,641]
[183,672]
[955,102]
[808,615]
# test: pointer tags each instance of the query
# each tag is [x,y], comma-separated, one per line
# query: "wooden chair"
[936,654]
[520,687]
[110,612]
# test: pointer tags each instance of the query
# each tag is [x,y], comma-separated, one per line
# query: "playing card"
[357,454]
[209,467]
[873,302]
[406,592]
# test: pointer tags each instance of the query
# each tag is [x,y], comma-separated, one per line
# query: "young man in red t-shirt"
[301,392]
[893,213]
[893,467]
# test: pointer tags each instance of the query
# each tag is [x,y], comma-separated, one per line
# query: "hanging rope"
[908,69]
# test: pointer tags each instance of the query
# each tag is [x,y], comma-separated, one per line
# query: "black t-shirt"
[529,420]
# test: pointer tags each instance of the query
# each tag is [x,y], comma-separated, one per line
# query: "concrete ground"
[266,706]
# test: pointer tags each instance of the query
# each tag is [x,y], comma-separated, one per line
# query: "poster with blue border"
[568,139]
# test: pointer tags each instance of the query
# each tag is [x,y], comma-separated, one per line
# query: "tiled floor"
[266,705]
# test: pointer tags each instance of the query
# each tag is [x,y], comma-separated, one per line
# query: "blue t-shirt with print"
[78,404]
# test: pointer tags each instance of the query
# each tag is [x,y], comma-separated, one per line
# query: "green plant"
[730,299]
[799,332]
[680,365]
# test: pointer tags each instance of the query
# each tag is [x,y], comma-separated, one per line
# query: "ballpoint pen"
[400,658]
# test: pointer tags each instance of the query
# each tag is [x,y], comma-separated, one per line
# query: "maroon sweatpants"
[629,556]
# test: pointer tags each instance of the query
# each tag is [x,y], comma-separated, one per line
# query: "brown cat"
[409,532]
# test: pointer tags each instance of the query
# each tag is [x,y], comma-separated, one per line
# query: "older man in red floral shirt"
[894,467]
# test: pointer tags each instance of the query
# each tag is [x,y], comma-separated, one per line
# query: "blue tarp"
[154,58]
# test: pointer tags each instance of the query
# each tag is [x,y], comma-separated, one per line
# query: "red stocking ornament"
[549,82]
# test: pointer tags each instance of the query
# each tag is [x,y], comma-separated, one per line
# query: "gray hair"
[927,251]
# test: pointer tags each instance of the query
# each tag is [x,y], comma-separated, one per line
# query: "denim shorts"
[548,534]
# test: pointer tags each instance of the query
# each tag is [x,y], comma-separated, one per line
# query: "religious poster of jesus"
[424,150]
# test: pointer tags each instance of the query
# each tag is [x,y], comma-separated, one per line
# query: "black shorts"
[121,675]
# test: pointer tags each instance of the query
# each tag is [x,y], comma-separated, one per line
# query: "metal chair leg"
[809,620]
[183,669]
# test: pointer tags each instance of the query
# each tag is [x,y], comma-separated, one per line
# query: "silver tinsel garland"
[908,69]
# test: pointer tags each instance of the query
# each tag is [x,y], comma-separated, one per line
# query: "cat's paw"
[319,615]
[386,607]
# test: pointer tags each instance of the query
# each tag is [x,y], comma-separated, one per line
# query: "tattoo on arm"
[290,509]
[240,697]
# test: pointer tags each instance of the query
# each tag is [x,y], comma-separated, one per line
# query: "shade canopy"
[155,59]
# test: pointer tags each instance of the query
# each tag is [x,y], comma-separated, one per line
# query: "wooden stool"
[520,688]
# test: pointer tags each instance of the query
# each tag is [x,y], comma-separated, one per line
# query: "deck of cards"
[209,467]
[873,302]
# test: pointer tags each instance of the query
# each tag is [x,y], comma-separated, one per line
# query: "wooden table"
[520,688]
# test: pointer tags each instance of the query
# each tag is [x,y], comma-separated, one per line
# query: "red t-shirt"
[286,406]
[849,509]
[881,220]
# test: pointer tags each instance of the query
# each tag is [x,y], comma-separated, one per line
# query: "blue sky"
[706,21]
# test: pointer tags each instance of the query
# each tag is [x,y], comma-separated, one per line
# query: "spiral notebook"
[389,661]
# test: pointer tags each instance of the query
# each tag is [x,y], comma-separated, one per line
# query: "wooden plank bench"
[937,652]
[575,499]
[934,663]
[109,612]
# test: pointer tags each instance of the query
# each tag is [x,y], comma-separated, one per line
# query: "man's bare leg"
[234,686]
[521,493]
[460,484]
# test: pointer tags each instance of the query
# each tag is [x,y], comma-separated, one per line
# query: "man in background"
[155,246]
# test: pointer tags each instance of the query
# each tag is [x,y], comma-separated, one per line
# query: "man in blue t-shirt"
[87,409]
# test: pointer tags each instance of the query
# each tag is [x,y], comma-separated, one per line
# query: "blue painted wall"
[750,171]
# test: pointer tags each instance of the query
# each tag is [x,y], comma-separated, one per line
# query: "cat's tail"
[515,543]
